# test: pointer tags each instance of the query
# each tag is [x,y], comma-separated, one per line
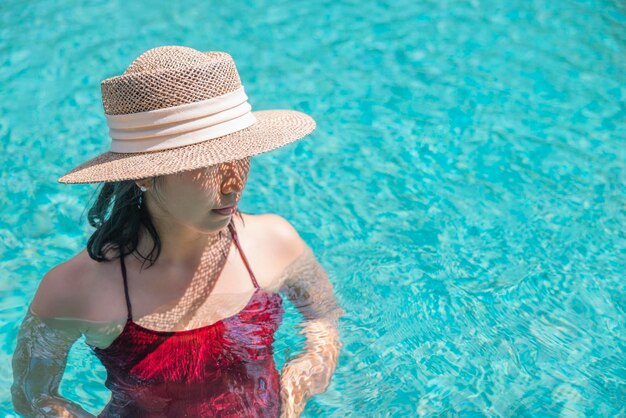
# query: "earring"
[142,188]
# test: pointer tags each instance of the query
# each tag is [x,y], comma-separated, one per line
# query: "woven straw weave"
[165,76]
[174,75]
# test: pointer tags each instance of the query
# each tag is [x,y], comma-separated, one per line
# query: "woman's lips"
[226,211]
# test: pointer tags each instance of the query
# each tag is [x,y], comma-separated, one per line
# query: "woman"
[177,292]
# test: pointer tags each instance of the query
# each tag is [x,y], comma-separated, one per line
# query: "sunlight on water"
[464,187]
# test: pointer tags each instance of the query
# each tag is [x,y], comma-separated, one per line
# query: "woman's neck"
[184,246]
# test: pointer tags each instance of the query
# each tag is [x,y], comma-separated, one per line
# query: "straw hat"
[176,109]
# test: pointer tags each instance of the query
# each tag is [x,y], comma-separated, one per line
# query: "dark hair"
[118,216]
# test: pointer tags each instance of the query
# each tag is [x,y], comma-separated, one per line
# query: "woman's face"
[189,197]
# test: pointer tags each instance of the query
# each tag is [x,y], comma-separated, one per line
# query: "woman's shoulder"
[277,232]
[278,239]
[66,290]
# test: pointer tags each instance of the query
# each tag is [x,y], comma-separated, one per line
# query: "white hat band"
[180,125]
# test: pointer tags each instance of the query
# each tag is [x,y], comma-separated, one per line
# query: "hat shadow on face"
[188,198]
[225,177]
[225,181]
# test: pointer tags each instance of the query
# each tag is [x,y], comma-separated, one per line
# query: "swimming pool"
[464,187]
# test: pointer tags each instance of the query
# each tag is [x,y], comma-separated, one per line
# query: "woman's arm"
[306,284]
[43,343]
[38,364]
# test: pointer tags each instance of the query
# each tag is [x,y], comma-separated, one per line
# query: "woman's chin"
[214,223]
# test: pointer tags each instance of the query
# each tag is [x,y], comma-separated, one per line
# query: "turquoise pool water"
[464,188]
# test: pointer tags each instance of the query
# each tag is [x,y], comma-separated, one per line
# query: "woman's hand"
[60,407]
[300,379]
[310,373]
[293,393]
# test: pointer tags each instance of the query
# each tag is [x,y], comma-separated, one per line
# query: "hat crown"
[169,76]
[169,57]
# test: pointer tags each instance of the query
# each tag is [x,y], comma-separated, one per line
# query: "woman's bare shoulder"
[280,241]
[67,289]
[276,232]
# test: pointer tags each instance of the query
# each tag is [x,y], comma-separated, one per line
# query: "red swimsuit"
[225,369]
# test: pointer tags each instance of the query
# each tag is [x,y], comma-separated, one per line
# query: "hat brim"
[273,129]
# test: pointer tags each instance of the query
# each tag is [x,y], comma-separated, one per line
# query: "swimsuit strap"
[243,257]
[130,314]
[231,226]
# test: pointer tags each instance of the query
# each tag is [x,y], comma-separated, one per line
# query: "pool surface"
[465,187]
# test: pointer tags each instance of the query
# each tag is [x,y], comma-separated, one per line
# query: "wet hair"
[119,217]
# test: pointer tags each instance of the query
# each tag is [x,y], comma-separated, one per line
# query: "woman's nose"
[232,181]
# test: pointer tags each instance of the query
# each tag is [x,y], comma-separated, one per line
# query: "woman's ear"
[143,184]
